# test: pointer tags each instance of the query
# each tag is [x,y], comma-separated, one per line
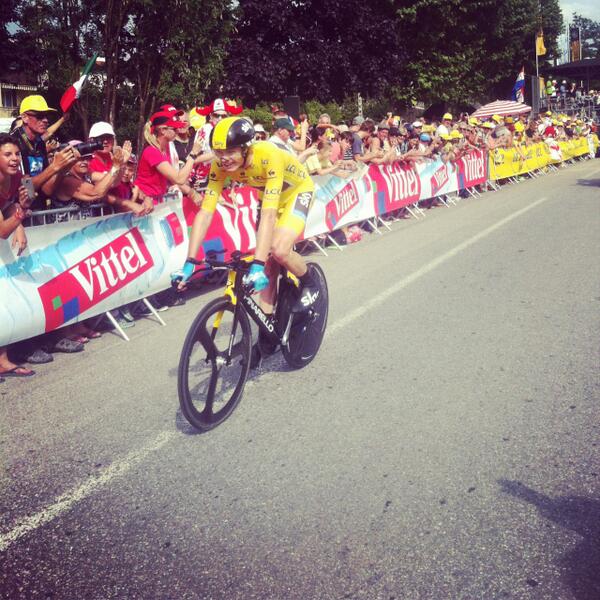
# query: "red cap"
[221,105]
[166,119]
[171,110]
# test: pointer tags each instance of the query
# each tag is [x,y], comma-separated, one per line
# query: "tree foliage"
[392,52]
[590,36]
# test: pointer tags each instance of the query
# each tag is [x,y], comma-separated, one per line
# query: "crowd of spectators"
[37,173]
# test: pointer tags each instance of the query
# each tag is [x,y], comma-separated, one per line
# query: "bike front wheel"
[307,329]
[214,364]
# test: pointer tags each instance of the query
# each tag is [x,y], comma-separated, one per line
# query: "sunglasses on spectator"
[260,136]
[40,116]
[218,116]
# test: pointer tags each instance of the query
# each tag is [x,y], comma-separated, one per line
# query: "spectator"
[77,187]
[346,141]
[125,196]
[183,142]
[356,123]
[101,162]
[445,126]
[380,145]
[14,200]
[34,157]
[321,163]
[261,134]
[365,131]
[282,132]
[155,170]
[45,177]
[218,109]
[324,134]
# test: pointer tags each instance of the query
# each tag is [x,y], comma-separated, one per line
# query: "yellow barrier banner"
[511,162]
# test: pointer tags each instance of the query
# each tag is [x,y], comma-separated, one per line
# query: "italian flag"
[74,91]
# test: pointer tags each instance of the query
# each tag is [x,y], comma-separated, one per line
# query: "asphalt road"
[443,445]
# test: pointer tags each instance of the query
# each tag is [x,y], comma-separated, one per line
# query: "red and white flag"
[74,91]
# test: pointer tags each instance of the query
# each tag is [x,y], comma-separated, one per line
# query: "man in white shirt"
[445,126]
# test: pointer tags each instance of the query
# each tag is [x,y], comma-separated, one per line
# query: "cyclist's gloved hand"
[183,274]
[256,277]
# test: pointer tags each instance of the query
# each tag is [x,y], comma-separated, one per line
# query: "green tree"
[590,36]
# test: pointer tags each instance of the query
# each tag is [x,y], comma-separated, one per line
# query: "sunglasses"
[218,116]
[37,115]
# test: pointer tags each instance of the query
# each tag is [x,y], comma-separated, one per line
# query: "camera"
[85,148]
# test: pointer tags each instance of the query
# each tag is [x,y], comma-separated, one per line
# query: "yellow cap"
[473,121]
[456,135]
[196,119]
[488,125]
[549,113]
[35,103]
[496,118]
[555,122]
[445,136]
[519,127]
[509,120]
[447,116]
[428,129]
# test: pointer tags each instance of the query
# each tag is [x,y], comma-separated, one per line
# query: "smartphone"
[27,183]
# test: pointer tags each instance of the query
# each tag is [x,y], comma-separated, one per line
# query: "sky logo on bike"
[394,186]
[341,204]
[95,278]
[439,179]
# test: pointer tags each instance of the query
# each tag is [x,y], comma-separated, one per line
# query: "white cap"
[417,124]
[101,128]
[258,128]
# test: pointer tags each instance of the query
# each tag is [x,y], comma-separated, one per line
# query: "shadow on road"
[581,566]
[271,364]
[589,182]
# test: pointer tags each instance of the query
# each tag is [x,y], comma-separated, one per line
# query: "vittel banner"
[78,269]
[95,278]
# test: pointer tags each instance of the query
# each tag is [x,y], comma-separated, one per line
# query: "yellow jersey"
[277,175]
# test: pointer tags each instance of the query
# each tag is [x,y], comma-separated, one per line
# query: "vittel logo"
[95,278]
[474,166]
[112,266]
[402,183]
[439,179]
[342,203]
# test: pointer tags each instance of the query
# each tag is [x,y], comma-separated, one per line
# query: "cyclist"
[285,193]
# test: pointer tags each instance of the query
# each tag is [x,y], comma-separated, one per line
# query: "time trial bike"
[217,353]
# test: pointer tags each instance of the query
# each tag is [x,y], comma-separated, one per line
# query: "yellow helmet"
[231,132]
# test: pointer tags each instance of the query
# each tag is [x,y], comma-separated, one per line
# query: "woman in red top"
[14,207]
[155,172]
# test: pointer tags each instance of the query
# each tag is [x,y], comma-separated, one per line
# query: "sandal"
[17,372]
[67,345]
[80,338]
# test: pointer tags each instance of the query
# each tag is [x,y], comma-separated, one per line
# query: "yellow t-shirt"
[276,174]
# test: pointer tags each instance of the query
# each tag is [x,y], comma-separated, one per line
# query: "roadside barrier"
[76,268]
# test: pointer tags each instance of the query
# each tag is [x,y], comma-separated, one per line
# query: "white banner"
[78,269]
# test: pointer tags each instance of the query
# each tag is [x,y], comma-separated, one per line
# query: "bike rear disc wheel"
[210,380]
[308,329]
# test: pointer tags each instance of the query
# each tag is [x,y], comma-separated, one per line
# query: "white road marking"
[425,269]
[70,498]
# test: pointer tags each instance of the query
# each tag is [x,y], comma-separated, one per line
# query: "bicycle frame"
[266,323]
